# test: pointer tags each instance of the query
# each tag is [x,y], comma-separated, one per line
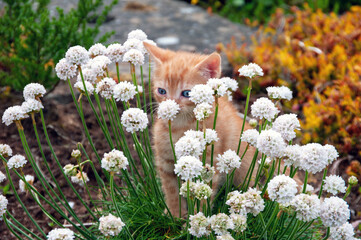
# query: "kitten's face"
[176,73]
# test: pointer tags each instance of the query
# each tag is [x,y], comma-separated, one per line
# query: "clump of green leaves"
[32,41]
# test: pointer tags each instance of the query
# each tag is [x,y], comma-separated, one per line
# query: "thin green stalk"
[143,86]
[112,125]
[107,133]
[134,78]
[294,231]
[305,183]
[285,230]
[270,221]
[249,89]
[322,182]
[150,90]
[11,230]
[21,225]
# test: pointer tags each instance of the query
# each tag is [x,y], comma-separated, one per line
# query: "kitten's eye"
[185,93]
[162,91]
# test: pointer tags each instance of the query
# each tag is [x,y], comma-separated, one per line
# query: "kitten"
[174,75]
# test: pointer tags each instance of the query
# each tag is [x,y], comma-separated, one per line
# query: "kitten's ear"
[210,67]
[159,55]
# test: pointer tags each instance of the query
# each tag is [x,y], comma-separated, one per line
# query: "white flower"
[225,237]
[253,122]
[189,146]
[250,136]
[202,111]
[115,52]
[12,114]
[17,161]
[228,161]
[70,170]
[334,184]
[343,232]
[140,89]
[313,158]
[188,167]
[334,212]
[80,86]
[292,155]
[3,205]
[124,91]
[220,223]
[2,177]
[202,190]
[75,153]
[271,143]
[230,83]
[110,225]
[286,125]
[279,93]
[263,108]
[207,173]
[80,178]
[134,56]
[239,221]
[282,189]
[31,105]
[168,109]
[351,180]
[199,225]
[33,90]
[211,136]
[251,70]
[105,87]
[183,191]
[309,189]
[248,202]
[65,70]
[218,87]
[96,50]
[137,34]
[133,43]
[197,135]
[201,93]
[29,179]
[307,207]
[114,161]
[89,76]
[99,65]
[331,152]
[5,150]
[134,120]
[61,234]
[77,55]
[267,161]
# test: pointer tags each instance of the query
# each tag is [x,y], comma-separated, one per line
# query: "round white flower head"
[137,34]
[263,108]
[140,89]
[80,178]
[105,87]
[271,143]
[207,173]
[17,161]
[70,170]
[279,93]
[226,236]
[313,158]
[239,221]
[31,106]
[334,184]
[211,136]
[168,109]
[133,43]
[115,52]
[89,76]
[292,155]
[201,93]
[124,91]
[5,150]
[183,191]
[282,189]
[253,122]
[61,234]
[228,161]
[286,124]
[99,65]
[189,146]
[331,152]
[202,190]
[29,179]
[134,119]
[110,225]
[96,50]
[202,111]
[80,86]
[199,225]
[267,161]
[75,153]
[77,55]
[307,207]
[250,136]
[251,70]
[2,177]
[12,114]
[3,205]
[199,135]
[65,70]
[114,161]
[33,90]
[188,167]
[220,223]
[218,86]
[334,212]
[309,189]
[248,202]
[134,56]
[230,83]
[343,232]
[351,180]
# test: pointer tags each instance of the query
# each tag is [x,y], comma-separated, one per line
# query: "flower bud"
[352,180]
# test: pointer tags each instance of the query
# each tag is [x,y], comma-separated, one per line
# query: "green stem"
[249,89]
[305,183]
[322,182]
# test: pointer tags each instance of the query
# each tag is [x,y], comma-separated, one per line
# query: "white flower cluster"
[201,93]
[31,106]
[279,93]
[343,232]
[202,111]
[88,75]
[250,136]
[2,177]
[244,203]
[105,87]
[97,49]
[70,170]
[207,173]
[29,179]
[110,225]
[218,86]
[168,109]
[65,70]
[12,114]
[199,225]
[271,143]
[98,65]
[61,234]
[115,52]
[263,108]
[225,237]
[197,189]
[228,161]
[5,150]
[331,152]
[292,155]
[188,167]
[134,119]
[77,55]
[334,212]
[239,222]
[313,158]
[282,189]
[124,91]
[80,178]
[286,125]
[114,161]
[220,223]
[334,184]
[134,56]
[251,70]
[190,145]
[33,90]
[88,85]
[307,207]
[16,161]
[3,205]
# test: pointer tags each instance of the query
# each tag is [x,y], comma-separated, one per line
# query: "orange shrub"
[318,56]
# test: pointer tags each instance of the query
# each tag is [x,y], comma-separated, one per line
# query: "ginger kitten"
[174,75]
